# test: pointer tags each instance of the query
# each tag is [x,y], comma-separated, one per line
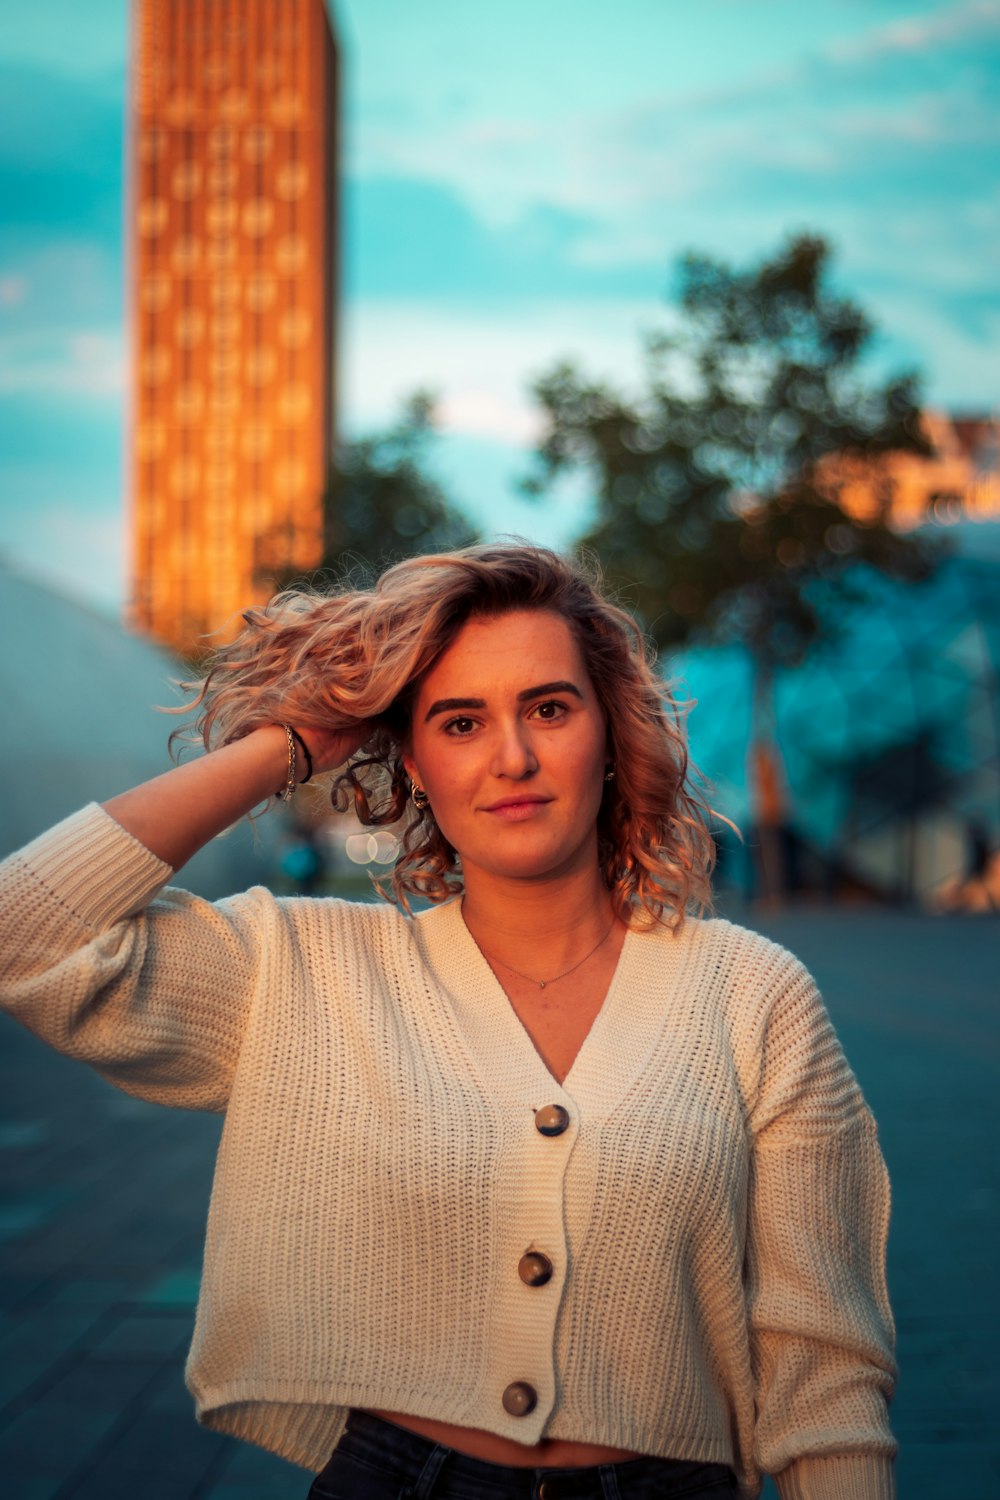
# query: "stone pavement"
[105,1198]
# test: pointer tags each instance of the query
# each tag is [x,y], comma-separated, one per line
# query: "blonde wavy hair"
[326,659]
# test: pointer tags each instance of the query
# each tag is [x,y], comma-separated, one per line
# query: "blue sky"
[519,181]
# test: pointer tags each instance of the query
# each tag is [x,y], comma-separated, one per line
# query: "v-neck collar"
[612,1054]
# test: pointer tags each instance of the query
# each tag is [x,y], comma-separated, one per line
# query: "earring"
[609,774]
[419,797]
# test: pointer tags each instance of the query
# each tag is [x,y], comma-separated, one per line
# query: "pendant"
[541,984]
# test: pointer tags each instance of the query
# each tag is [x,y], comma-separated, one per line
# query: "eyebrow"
[452,705]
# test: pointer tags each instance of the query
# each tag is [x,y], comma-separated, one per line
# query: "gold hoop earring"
[419,797]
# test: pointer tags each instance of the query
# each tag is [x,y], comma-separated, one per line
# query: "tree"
[719,486]
[381,504]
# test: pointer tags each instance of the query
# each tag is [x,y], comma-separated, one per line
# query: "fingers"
[333,748]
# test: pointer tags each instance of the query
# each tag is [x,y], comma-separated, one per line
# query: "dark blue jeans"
[377,1460]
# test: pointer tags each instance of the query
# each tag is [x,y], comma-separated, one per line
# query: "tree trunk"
[767,786]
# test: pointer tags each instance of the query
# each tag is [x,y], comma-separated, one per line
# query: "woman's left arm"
[822,1335]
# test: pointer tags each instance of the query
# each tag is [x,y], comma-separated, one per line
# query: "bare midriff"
[550,1453]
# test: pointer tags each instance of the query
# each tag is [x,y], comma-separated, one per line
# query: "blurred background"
[291,289]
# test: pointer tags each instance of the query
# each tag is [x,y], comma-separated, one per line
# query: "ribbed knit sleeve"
[821,1329]
[152,993]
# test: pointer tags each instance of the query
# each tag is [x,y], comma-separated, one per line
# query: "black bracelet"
[305,751]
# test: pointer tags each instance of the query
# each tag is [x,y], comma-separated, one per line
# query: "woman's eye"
[549,710]
[460,726]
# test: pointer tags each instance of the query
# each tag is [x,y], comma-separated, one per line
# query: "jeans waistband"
[433,1469]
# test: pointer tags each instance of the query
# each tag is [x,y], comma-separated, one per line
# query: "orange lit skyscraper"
[233,236]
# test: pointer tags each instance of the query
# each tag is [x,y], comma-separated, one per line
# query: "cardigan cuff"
[92,866]
[838,1476]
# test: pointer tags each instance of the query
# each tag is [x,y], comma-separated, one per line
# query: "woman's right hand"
[331,748]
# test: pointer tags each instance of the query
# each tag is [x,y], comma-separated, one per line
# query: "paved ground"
[105,1198]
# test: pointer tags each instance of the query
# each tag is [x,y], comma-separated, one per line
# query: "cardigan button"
[551,1119]
[519,1398]
[534,1268]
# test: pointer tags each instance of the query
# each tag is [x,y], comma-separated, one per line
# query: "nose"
[513,755]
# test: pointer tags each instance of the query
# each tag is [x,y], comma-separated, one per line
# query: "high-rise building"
[232,228]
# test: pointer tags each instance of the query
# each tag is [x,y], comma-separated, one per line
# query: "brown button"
[519,1398]
[534,1268]
[551,1119]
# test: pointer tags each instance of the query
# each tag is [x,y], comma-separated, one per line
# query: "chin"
[539,868]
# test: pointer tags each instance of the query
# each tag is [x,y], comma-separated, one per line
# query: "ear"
[410,766]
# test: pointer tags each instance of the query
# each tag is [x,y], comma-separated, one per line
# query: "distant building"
[232,228]
[82,697]
[889,741]
[960,481]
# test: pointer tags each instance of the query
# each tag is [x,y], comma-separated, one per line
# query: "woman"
[552,1189]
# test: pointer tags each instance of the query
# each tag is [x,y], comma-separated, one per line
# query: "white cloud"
[964,373]
[13,290]
[923,34]
[61,281]
[485,413]
[919,120]
[478,362]
[86,363]
[634,168]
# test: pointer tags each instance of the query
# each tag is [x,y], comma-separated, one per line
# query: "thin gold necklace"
[543,983]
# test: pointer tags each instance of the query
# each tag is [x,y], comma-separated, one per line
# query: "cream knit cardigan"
[716,1211]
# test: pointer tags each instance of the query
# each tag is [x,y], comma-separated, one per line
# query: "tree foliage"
[719,486]
[382,504]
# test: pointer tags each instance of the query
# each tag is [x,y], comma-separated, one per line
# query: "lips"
[517,807]
[517,802]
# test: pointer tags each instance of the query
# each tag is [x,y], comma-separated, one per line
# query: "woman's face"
[509,741]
